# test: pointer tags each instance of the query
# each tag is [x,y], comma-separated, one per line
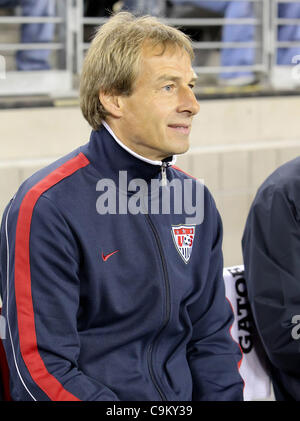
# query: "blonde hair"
[112,61]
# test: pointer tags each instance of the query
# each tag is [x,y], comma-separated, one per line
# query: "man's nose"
[188,102]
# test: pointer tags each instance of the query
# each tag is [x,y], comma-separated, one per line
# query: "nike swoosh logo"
[107,256]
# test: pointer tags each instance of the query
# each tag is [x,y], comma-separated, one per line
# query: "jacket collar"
[110,156]
[142,158]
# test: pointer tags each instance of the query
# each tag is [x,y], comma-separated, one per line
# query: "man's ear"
[111,103]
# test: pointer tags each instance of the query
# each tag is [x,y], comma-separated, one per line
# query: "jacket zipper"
[168,309]
[164,173]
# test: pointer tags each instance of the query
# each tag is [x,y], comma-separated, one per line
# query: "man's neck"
[141,157]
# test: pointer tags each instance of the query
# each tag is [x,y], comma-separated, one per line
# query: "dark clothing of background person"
[271,250]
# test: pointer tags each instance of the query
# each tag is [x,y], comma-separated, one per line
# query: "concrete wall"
[235,145]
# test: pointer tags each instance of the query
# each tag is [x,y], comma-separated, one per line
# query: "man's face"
[156,118]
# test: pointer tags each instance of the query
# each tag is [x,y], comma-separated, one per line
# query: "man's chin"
[177,147]
[182,148]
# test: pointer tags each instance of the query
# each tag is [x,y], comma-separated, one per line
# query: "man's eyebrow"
[165,77]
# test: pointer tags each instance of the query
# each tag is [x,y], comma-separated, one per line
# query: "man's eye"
[168,88]
[191,85]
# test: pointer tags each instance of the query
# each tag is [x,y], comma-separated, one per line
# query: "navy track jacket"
[271,249]
[105,306]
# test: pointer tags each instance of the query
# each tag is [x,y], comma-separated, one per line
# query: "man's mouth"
[180,128]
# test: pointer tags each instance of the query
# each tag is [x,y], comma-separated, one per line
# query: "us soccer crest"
[183,236]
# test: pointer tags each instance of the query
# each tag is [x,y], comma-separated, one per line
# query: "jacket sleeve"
[214,357]
[271,250]
[44,279]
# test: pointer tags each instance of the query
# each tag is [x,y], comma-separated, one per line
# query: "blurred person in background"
[271,251]
[156,8]
[247,33]
[289,55]
[234,33]
[231,33]
[288,32]
[34,32]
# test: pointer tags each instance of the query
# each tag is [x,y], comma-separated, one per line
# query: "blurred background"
[248,62]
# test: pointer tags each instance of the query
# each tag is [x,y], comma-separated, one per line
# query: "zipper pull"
[164,174]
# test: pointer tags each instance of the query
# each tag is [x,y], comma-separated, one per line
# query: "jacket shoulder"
[44,180]
[284,181]
[54,172]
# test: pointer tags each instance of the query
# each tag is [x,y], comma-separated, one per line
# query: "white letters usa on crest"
[183,237]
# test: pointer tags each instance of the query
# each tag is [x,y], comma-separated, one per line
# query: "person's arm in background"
[271,250]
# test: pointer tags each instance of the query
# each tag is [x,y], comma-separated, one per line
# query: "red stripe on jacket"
[179,169]
[25,312]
